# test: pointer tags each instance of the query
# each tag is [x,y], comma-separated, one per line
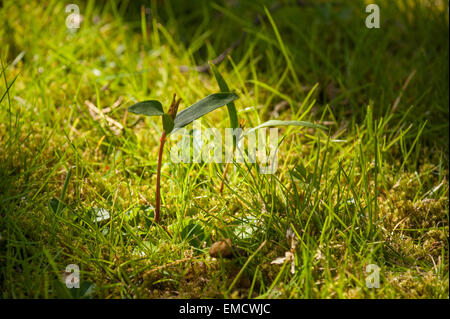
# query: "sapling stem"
[158,177]
[173,113]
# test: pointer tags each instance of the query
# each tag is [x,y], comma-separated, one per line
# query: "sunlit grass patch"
[77,171]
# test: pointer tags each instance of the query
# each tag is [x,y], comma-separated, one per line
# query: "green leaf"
[284,123]
[232,113]
[193,233]
[167,123]
[202,107]
[149,108]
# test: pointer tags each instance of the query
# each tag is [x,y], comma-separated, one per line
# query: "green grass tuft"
[77,172]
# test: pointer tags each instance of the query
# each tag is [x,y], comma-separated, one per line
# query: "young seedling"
[172,121]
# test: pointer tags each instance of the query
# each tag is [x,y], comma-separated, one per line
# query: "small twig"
[96,114]
[256,22]
[143,198]
[275,113]
[173,112]
[205,67]
[405,85]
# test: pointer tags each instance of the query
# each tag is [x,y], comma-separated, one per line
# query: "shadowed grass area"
[77,172]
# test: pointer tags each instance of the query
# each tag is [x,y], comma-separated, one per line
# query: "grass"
[77,173]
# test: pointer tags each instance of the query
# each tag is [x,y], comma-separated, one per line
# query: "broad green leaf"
[193,233]
[149,108]
[202,107]
[167,123]
[284,123]
[232,113]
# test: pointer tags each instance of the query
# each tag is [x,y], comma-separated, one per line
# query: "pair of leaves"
[188,115]
[203,107]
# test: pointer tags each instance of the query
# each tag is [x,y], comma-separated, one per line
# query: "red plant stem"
[158,176]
